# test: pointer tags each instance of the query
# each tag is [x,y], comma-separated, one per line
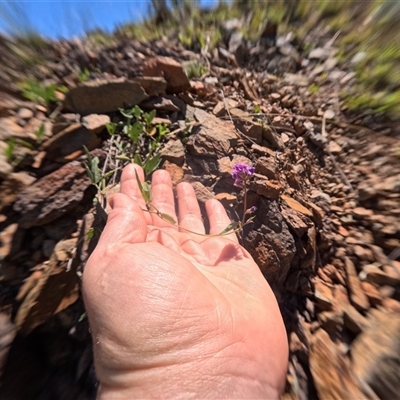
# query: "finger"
[218,219]
[125,224]
[130,187]
[163,198]
[189,210]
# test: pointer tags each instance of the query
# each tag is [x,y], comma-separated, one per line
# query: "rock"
[213,138]
[319,53]
[371,273]
[10,129]
[262,150]
[295,205]
[170,70]
[265,188]
[226,199]
[374,297]
[375,355]
[203,194]
[245,125]
[361,212]
[226,164]
[153,85]
[273,138]
[103,96]
[12,185]
[332,374]
[265,166]
[166,103]
[25,113]
[55,290]
[5,167]
[271,244]
[175,171]
[53,195]
[353,320]
[296,79]
[7,334]
[95,123]
[10,242]
[68,144]
[357,296]
[323,295]
[334,148]
[174,152]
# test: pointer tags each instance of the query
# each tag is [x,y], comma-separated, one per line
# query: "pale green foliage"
[40,93]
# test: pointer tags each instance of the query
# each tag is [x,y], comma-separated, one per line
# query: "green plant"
[83,75]
[194,69]
[40,93]
[9,150]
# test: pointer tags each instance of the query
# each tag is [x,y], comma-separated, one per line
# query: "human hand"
[178,315]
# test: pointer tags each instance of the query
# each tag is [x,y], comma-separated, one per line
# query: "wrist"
[195,380]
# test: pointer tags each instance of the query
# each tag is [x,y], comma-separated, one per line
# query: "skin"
[178,315]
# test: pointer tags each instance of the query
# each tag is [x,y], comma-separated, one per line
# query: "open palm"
[174,314]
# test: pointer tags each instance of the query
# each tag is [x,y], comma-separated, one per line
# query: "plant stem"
[244,202]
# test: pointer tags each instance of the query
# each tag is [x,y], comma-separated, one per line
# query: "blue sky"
[57,19]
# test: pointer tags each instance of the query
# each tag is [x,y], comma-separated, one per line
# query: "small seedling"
[39,93]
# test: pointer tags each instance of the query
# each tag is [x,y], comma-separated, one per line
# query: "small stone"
[25,113]
[371,273]
[226,199]
[323,295]
[95,123]
[334,148]
[153,85]
[265,166]
[11,186]
[265,188]
[361,212]
[353,320]
[169,69]
[174,152]
[357,296]
[203,194]
[245,125]
[374,297]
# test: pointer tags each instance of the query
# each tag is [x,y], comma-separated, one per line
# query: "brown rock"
[265,166]
[95,123]
[262,150]
[371,273]
[170,70]
[226,164]
[334,148]
[353,320]
[53,195]
[296,206]
[323,295]
[374,297]
[273,138]
[357,296]
[226,199]
[7,334]
[153,85]
[174,152]
[331,372]
[166,103]
[361,212]
[175,171]
[102,96]
[375,355]
[10,187]
[265,188]
[55,290]
[10,242]
[213,138]
[69,142]
[202,192]
[246,126]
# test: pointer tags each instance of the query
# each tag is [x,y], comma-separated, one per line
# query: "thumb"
[125,224]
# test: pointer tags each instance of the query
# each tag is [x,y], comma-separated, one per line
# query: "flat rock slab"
[102,96]
[53,195]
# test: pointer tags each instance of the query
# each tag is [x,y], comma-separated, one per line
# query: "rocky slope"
[327,190]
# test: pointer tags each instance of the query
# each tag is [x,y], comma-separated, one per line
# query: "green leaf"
[231,227]
[39,133]
[148,117]
[151,164]
[126,113]
[147,194]
[97,174]
[138,160]
[168,218]
[119,146]
[111,128]
[139,184]
[9,150]
[135,131]
[137,112]
[26,144]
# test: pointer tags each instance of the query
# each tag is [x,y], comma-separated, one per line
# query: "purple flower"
[251,210]
[241,173]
